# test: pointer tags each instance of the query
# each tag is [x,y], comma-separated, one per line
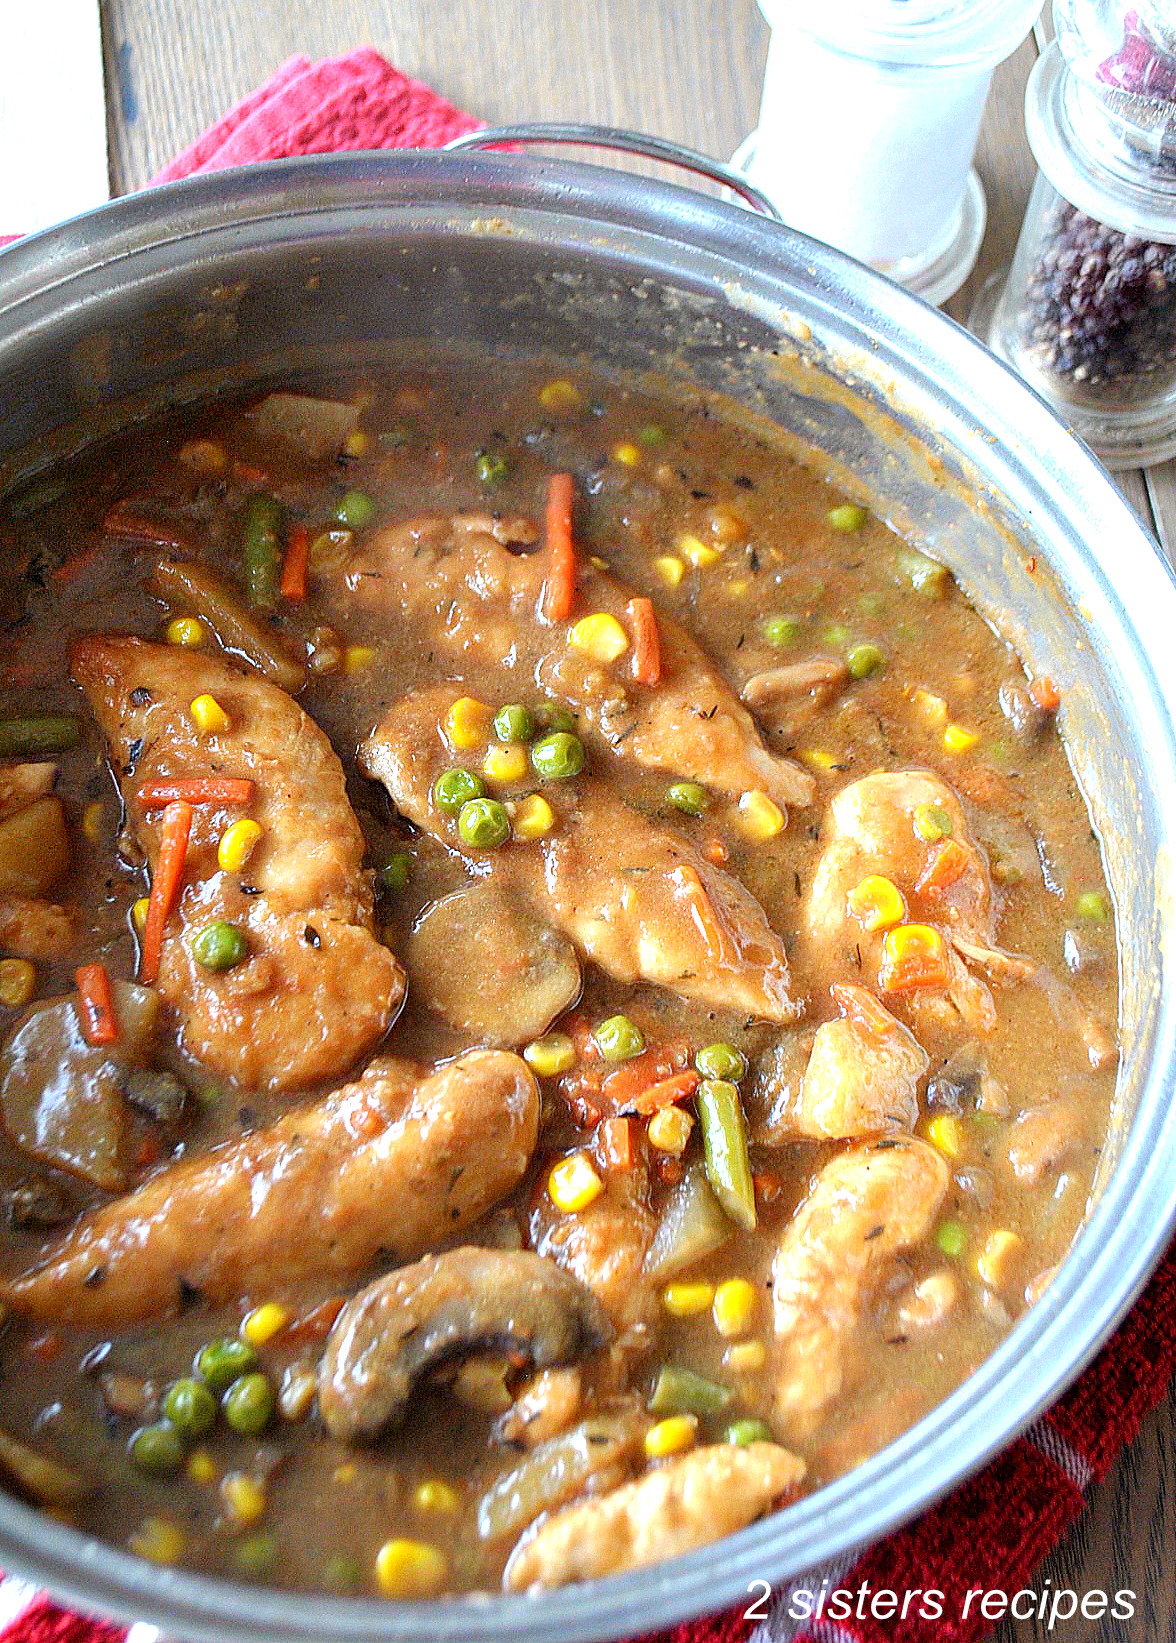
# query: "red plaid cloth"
[990,1534]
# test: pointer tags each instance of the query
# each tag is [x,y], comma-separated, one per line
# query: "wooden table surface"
[689,70]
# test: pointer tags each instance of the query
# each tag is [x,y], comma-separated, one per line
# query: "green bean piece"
[781,632]
[747,1431]
[554,716]
[864,660]
[190,1407]
[618,1038]
[491,469]
[219,946]
[558,756]
[356,510]
[38,733]
[249,1404]
[196,588]
[157,1449]
[456,787]
[724,1149]
[396,871]
[691,798]
[514,723]
[847,517]
[256,1554]
[951,1238]
[222,1361]
[721,1061]
[679,1391]
[261,551]
[483,824]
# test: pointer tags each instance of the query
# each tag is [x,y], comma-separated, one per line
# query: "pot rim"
[1124,1235]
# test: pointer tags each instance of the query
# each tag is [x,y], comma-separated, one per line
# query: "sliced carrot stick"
[165,885]
[616,1144]
[1045,694]
[666,1091]
[860,1006]
[949,863]
[135,527]
[99,1020]
[560,587]
[197,790]
[646,642]
[297,562]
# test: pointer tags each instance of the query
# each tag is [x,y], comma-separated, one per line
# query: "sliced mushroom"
[556,1471]
[41,1478]
[822,678]
[443,1308]
[490,966]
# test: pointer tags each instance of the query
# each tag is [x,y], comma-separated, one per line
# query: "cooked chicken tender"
[316,990]
[674,1509]
[481,603]
[858,1082]
[393,1163]
[605,1246]
[865,1207]
[633,897]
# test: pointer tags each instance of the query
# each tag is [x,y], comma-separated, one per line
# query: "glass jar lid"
[912,33]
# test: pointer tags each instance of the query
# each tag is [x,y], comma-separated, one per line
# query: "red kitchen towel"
[951,1574]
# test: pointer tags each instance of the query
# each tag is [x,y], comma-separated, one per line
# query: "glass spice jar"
[1088,314]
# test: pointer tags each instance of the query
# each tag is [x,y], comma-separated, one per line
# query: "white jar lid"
[913,33]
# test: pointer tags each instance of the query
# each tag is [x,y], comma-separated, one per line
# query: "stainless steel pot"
[168,296]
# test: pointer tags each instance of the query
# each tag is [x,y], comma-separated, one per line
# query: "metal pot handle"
[630,142]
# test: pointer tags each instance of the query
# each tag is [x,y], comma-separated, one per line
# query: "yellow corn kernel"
[209,716]
[264,1322]
[1000,1252]
[244,1498]
[595,559]
[467,724]
[205,457]
[346,1472]
[735,1306]
[200,1467]
[670,568]
[551,1055]
[876,903]
[736,589]
[760,818]
[931,709]
[696,552]
[599,636]
[237,844]
[158,1539]
[560,396]
[944,1133]
[435,1495]
[688,1300]
[574,1183]
[410,1568]
[139,915]
[958,740]
[671,1436]
[357,657]
[629,456]
[670,1129]
[506,764]
[817,759]
[18,981]
[357,443]
[92,821]
[480,1384]
[187,631]
[533,817]
[745,1357]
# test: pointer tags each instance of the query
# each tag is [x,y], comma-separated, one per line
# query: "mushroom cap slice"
[442,1309]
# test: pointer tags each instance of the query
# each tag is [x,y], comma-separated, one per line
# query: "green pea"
[652,436]
[932,823]
[554,716]
[396,871]
[190,1407]
[356,510]
[514,723]
[341,1573]
[690,797]
[863,660]
[619,1039]
[483,824]
[1092,907]
[558,755]
[249,1404]
[157,1449]
[256,1554]
[847,517]
[871,604]
[491,469]
[456,787]
[721,1061]
[747,1431]
[837,635]
[219,946]
[781,632]
[222,1361]
[951,1238]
